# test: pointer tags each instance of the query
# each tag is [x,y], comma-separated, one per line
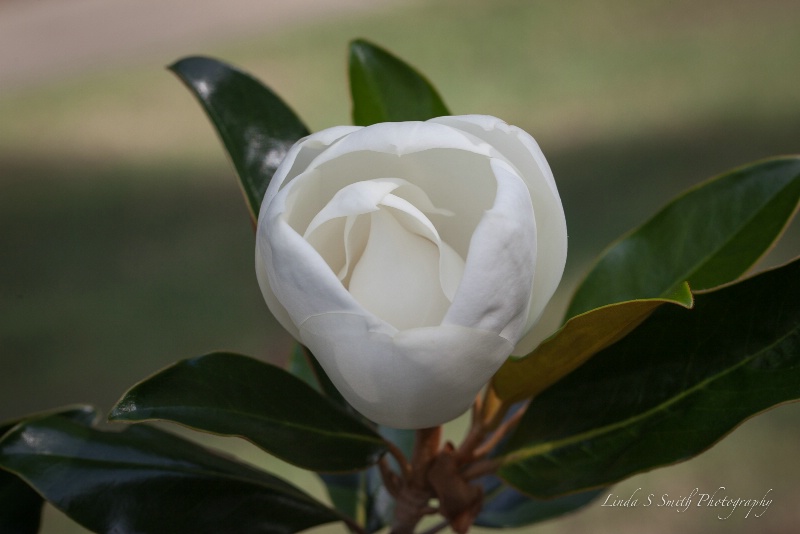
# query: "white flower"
[411,258]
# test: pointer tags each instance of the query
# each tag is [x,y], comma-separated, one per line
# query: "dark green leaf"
[20,505]
[574,343]
[235,395]
[504,507]
[255,125]
[347,492]
[305,366]
[300,365]
[386,89]
[709,236]
[359,495]
[666,392]
[146,481]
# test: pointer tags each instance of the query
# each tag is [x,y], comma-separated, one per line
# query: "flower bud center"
[376,236]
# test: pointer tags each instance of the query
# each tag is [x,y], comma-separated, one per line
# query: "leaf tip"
[122,411]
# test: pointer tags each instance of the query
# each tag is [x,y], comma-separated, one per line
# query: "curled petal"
[520,149]
[495,291]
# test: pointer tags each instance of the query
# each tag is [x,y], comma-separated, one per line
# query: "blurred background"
[125,244]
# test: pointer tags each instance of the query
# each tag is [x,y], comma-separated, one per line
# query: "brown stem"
[481,468]
[426,445]
[402,461]
[391,481]
[477,431]
[414,492]
[446,473]
[459,501]
[502,429]
[474,437]
[487,416]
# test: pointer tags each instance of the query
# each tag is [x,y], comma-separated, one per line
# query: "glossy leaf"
[255,125]
[20,505]
[386,89]
[666,392]
[709,236]
[299,364]
[504,507]
[235,395]
[571,346]
[362,497]
[357,495]
[143,480]
[347,493]
[305,366]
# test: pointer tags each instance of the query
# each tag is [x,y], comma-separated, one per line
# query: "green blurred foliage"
[126,245]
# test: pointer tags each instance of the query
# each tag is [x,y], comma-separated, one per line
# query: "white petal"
[397,277]
[498,278]
[401,138]
[353,199]
[522,151]
[456,181]
[416,379]
[330,240]
[451,264]
[298,277]
[300,155]
[356,232]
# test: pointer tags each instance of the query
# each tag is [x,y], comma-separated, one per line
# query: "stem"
[414,492]
[481,468]
[394,450]
[501,432]
[446,473]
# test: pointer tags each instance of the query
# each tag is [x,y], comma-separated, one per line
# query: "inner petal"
[397,277]
[340,230]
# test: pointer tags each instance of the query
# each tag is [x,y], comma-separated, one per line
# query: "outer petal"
[301,154]
[522,151]
[301,280]
[495,291]
[417,378]
[294,163]
[401,138]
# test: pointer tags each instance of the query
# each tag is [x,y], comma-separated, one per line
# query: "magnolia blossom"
[412,258]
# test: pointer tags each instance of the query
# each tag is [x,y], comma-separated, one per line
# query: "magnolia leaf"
[571,346]
[255,125]
[358,495]
[146,481]
[20,505]
[709,236]
[305,366]
[386,89]
[235,395]
[666,392]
